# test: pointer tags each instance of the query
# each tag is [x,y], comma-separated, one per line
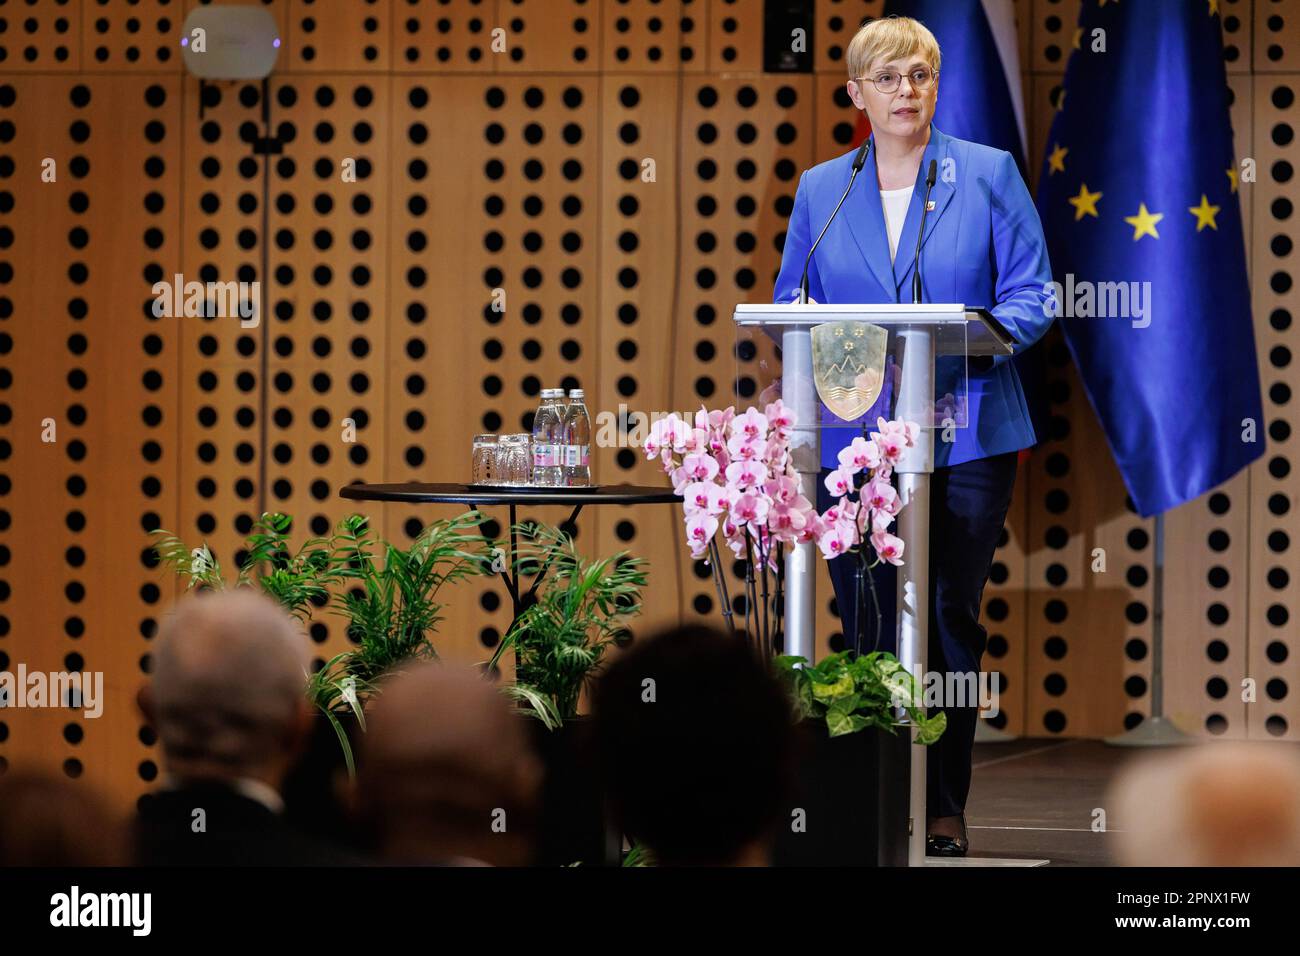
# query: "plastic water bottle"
[557,439]
[577,441]
[547,423]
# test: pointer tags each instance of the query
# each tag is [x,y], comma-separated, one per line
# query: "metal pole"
[916,404]
[1157,730]
[1158,621]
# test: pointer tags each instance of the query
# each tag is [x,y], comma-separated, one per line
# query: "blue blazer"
[983,246]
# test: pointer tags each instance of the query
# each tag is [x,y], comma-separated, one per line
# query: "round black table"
[415,492]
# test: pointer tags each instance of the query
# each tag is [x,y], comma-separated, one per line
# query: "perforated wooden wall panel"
[91,375]
[1269,656]
[523,168]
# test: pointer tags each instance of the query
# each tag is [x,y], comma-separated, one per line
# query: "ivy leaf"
[930,729]
[840,688]
[839,723]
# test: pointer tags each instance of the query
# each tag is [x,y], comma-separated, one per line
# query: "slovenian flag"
[980,97]
[981,100]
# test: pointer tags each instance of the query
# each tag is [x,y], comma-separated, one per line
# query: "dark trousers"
[968,505]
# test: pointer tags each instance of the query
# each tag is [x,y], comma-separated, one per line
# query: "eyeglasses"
[888,81]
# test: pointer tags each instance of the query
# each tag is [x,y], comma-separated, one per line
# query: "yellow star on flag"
[1085,204]
[1204,214]
[1078,35]
[1144,223]
[1214,7]
[1232,176]
[1056,161]
[1060,101]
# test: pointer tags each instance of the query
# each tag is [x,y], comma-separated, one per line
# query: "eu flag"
[1139,200]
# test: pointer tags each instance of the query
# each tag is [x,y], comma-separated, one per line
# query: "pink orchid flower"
[700,530]
[881,520]
[750,509]
[783,488]
[696,441]
[702,497]
[834,541]
[861,455]
[700,466]
[881,495]
[748,449]
[888,546]
[752,425]
[780,418]
[839,482]
[744,474]
[785,521]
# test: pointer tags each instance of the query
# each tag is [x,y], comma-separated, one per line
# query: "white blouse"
[895,202]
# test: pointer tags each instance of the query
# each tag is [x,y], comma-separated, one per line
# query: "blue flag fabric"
[1138,198]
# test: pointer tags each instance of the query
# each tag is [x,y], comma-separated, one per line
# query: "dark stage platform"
[1034,799]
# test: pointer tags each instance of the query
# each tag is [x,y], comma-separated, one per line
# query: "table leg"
[511,575]
[547,566]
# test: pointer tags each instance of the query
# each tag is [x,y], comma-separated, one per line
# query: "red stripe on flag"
[862,130]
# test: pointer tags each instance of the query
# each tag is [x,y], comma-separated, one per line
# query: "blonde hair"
[890,38]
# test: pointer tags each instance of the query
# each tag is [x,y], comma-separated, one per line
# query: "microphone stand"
[859,161]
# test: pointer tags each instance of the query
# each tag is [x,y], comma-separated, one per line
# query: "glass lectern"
[909,362]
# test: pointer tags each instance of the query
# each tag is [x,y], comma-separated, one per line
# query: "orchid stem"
[720,582]
[766,625]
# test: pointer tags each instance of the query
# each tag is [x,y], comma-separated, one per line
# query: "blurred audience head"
[228,693]
[48,821]
[694,738]
[447,773]
[1223,803]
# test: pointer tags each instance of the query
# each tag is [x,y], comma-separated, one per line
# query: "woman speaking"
[983,246]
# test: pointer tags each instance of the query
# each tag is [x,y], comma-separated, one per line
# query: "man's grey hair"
[229,675]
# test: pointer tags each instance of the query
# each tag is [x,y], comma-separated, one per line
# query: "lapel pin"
[929,206]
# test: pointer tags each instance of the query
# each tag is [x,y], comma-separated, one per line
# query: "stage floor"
[1034,799]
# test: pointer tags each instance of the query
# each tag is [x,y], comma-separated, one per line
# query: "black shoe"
[936,845]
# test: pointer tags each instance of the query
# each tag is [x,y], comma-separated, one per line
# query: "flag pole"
[1157,730]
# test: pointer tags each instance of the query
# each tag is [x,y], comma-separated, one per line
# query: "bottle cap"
[576,393]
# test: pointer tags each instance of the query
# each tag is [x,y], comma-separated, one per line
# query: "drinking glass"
[483,465]
[514,459]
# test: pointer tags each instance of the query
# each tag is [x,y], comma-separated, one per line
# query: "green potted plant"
[582,607]
[850,693]
[854,765]
[298,580]
[390,599]
[388,595]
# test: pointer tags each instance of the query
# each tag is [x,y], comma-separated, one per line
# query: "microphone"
[858,162]
[925,209]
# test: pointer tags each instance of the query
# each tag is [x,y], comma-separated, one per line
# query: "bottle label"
[576,456]
[544,455]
